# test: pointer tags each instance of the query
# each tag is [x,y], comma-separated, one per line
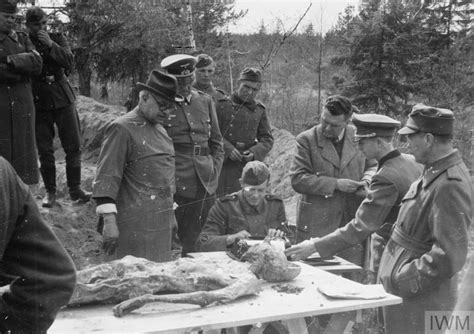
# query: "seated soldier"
[251,211]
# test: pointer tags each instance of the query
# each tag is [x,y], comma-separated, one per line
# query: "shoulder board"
[21,33]
[201,92]
[261,105]
[223,98]
[227,198]
[221,91]
[271,197]
[454,173]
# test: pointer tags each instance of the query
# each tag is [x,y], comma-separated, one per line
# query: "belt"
[243,146]
[409,242]
[192,150]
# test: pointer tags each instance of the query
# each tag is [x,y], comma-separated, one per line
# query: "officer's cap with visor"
[374,125]
[423,118]
[255,173]
[179,65]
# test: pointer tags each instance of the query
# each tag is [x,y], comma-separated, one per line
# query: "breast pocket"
[236,224]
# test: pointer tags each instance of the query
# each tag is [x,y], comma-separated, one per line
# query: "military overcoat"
[17,111]
[314,171]
[428,245]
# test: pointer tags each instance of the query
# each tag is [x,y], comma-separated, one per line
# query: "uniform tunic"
[54,102]
[232,214]
[379,210]
[136,170]
[244,126]
[17,112]
[314,171]
[33,262]
[216,93]
[428,245]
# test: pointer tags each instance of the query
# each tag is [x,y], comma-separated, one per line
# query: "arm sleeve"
[112,161]
[27,62]
[303,179]
[213,235]
[45,274]
[215,141]
[449,220]
[369,217]
[61,52]
[264,137]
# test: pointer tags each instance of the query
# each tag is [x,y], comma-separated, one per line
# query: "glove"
[110,234]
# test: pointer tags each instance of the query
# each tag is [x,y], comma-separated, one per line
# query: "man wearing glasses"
[54,102]
[134,184]
[331,175]
[18,61]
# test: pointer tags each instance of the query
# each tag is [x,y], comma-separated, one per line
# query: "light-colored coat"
[315,169]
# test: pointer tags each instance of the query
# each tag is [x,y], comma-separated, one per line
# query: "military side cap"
[163,85]
[374,125]
[179,65]
[338,105]
[433,120]
[251,74]
[8,6]
[204,60]
[35,14]
[255,173]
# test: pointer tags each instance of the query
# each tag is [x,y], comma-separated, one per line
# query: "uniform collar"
[388,156]
[433,170]
[251,105]
[12,34]
[247,208]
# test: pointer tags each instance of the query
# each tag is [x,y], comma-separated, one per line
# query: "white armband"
[106,208]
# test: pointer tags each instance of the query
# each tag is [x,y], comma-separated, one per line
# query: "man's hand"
[239,235]
[110,234]
[235,155]
[301,251]
[44,38]
[274,233]
[348,185]
[248,156]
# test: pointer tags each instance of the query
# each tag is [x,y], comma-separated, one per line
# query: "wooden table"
[269,305]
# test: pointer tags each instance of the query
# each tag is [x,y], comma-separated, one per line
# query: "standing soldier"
[54,101]
[245,127]
[429,243]
[18,61]
[205,69]
[198,149]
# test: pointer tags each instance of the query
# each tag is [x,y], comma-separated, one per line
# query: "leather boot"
[73,175]
[49,199]
[48,174]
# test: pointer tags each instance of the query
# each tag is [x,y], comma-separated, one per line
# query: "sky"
[288,12]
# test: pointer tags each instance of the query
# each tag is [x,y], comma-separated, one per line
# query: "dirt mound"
[75,225]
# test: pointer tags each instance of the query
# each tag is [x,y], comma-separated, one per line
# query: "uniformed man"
[205,69]
[251,211]
[378,211]
[54,102]
[245,127]
[194,129]
[331,175]
[18,61]
[134,185]
[429,242]
[37,276]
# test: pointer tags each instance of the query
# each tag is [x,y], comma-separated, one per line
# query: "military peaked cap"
[374,125]
[204,60]
[433,120]
[255,173]
[179,65]
[251,74]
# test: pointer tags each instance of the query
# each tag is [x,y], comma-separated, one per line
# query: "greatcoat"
[314,171]
[17,111]
[428,245]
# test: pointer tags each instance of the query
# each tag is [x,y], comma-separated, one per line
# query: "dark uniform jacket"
[38,269]
[197,140]
[231,214]
[428,245]
[136,170]
[379,210]
[51,89]
[244,126]
[314,171]
[17,112]
[216,93]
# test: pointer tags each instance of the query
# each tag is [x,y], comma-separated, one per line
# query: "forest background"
[386,56]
